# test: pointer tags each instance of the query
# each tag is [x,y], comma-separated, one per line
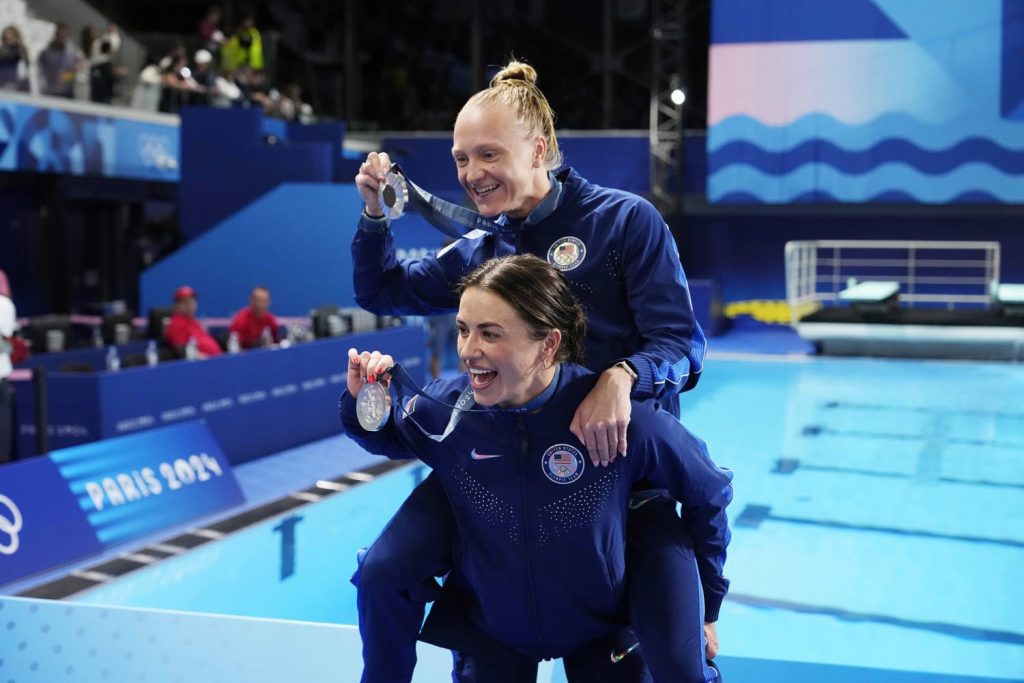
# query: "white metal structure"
[945,273]
[895,298]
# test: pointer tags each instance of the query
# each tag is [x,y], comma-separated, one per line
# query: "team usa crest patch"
[562,464]
[567,253]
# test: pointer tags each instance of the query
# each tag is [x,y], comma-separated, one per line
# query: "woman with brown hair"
[539,568]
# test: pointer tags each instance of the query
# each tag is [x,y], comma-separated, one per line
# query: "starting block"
[874,296]
[1009,299]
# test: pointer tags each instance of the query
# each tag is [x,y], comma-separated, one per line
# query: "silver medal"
[373,406]
[393,196]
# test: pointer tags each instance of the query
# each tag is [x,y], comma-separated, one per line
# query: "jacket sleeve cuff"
[712,605]
[368,223]
[644,387]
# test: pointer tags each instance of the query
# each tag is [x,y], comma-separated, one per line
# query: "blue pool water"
[878,521]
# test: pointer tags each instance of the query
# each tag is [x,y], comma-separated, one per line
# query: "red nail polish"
[370,377]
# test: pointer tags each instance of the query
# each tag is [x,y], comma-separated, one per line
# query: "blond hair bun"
[515,71]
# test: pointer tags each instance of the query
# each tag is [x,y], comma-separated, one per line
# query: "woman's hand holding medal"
[370,182]
[368,382]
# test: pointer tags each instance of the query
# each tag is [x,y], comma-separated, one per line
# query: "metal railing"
[933,273]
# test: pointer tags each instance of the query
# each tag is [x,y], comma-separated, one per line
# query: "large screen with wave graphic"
[905,101]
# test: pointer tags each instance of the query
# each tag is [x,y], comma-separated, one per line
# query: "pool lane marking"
[753,516]
[791,465]
[955,630]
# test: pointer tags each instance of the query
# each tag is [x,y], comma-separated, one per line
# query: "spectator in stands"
[183,328]
[59,63]
[7,322]
[203,75]
[103,72]
[146,95]
[225,92]
[13,60]
[86,37]
[177,82]
[255,325]
[251,86]
[287,104]
[243,48]
[209,30]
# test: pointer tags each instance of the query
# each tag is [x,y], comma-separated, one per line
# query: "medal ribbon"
[450,219]
[463,405]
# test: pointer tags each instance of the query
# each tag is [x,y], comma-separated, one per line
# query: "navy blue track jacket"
[542,530]
[612,246]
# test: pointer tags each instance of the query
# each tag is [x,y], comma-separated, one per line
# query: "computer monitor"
[49,333]
[158,319]
[117,328]
[330,321]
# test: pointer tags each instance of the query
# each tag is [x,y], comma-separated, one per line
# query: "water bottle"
[152,357]
[268,338]
[233,344]
[113,360]
[191,349]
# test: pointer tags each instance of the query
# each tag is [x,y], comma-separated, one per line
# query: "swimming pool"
[877,521]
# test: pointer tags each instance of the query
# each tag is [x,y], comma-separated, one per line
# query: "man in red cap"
[183,327]
[251,324]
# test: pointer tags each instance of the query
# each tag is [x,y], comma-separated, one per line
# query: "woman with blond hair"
[621,261]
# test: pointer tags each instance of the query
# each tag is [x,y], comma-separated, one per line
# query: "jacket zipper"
[527,541]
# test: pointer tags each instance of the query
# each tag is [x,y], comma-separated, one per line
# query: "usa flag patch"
[562,463]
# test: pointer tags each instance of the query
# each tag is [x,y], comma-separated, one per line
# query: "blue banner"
[36,509]
[76,138]
[866,101]
[81,500]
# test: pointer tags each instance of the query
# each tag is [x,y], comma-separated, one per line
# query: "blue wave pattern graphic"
[853,162]
[891,181]
[894,158]
[819,197]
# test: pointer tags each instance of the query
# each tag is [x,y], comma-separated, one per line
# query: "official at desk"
[254,403]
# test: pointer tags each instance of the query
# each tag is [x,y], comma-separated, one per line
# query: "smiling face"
[506,365]
[500,164]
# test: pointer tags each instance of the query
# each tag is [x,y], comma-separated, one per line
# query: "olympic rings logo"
[155,150]
[10,524]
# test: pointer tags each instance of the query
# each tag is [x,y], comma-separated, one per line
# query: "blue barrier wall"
[294,240]
[229,157]
[254,403]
